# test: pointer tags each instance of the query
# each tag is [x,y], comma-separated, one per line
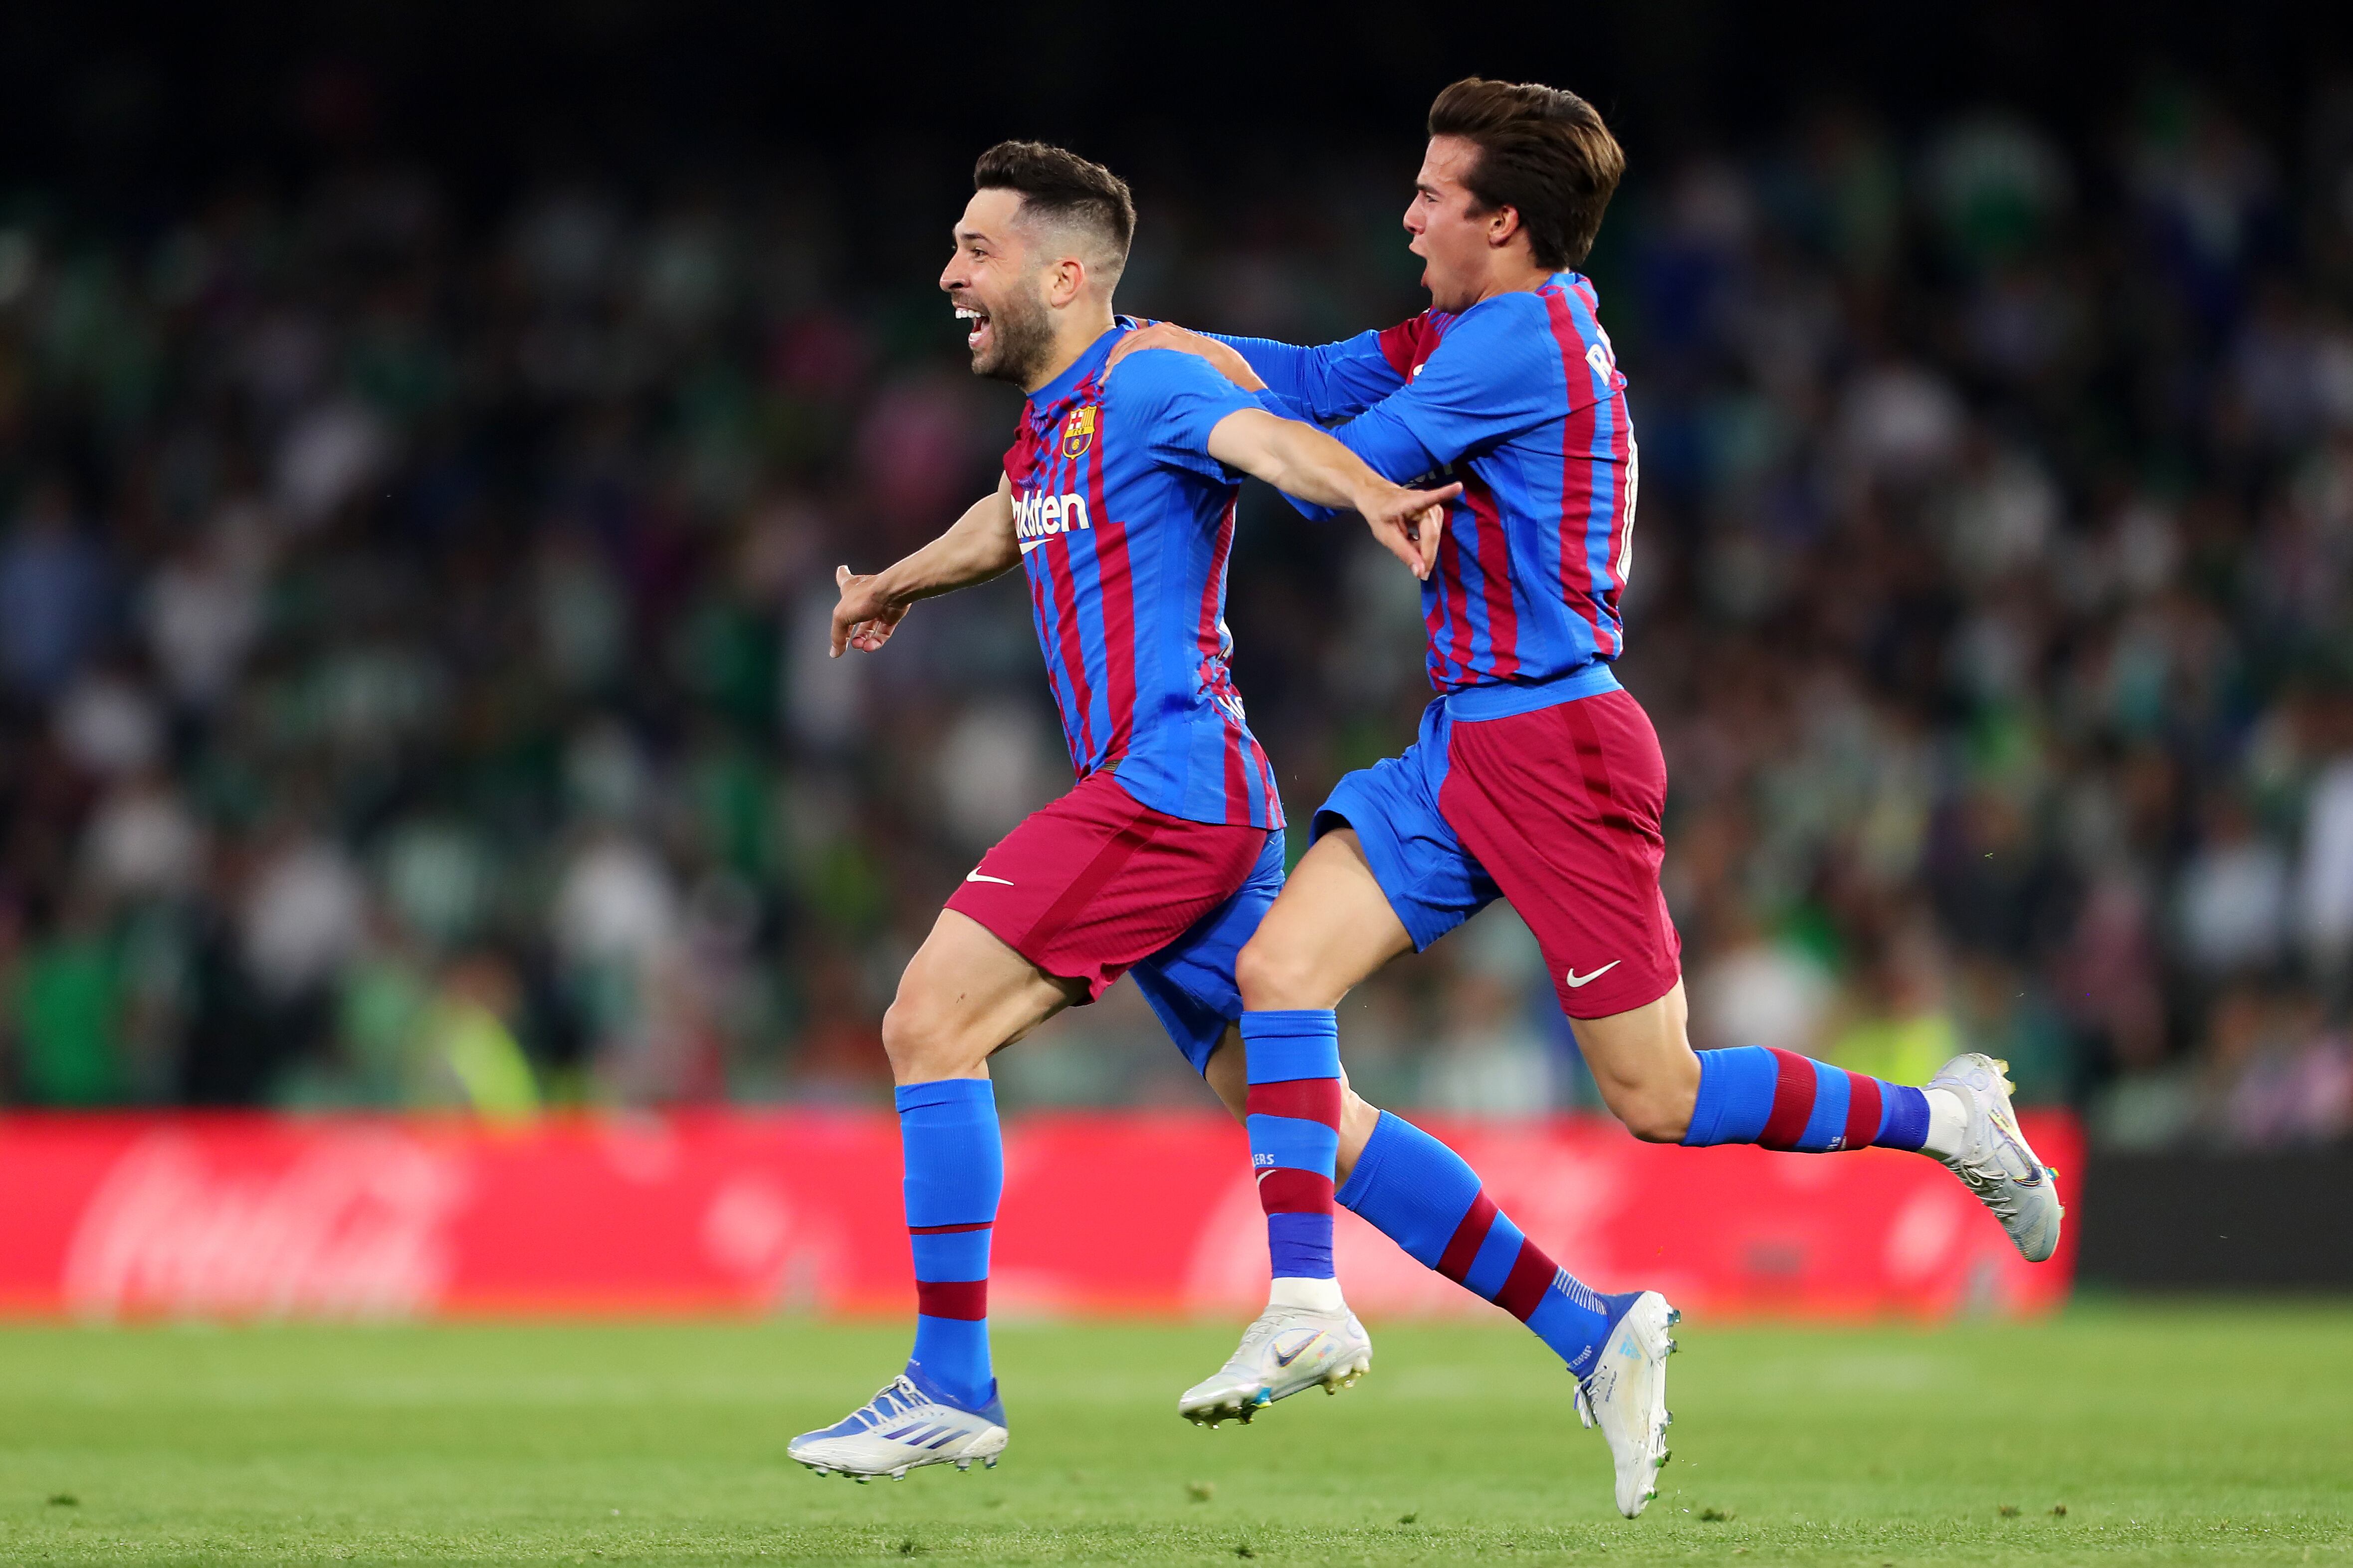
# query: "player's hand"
[865,617]
[1409,524]
[1224,357]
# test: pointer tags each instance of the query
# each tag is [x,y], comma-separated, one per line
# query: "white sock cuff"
[1310,1294]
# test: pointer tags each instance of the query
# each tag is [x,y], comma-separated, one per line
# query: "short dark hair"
[1542,151]
[1058,186]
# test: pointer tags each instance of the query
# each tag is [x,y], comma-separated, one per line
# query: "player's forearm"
[1288,370]
[978,546]
[1303,462]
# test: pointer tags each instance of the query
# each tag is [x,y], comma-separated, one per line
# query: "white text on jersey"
[1035,517]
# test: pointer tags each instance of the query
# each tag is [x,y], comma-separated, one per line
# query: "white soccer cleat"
[1995,1162]
[1626,1397]
[1287,1350]
[900,1429]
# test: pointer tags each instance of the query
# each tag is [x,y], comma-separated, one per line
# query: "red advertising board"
[235,1215]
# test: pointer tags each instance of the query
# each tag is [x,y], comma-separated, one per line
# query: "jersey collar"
[1047,400]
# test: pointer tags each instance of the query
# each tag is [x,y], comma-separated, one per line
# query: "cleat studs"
[989,1463]
[963,1466]
[899,1474]
[1674,1316]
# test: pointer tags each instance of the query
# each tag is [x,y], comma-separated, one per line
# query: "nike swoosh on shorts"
[976,877]
[1576,980]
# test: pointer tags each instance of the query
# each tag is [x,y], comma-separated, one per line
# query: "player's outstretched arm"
[1335,381]
[1302,461]
[980,545]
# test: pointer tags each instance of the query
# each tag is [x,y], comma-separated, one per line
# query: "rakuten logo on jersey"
[1037,518]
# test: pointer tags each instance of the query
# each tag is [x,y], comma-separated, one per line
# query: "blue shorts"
[1555,807]
[1190,983]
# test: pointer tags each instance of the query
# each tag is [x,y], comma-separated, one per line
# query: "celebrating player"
[1118,499]
[1536,778]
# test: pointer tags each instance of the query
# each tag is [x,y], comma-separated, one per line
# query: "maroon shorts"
[1096,884]
[1556,810]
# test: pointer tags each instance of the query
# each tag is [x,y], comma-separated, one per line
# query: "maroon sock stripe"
[1286,1191]
[1463,1247]
[1532,1275]
[1793,1101]
[1861,1110]
[967,1298]
[977,1224]
[1306,1099]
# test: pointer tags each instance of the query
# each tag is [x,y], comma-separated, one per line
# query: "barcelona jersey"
[1125,524]
[1520,398]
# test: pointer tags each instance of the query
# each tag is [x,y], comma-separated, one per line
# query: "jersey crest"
[1079,431]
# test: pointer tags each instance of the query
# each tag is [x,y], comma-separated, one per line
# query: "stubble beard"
[1024,342]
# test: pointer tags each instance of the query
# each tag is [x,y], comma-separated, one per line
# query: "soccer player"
[1536,778]
[1118,499]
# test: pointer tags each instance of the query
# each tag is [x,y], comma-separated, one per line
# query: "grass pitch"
[2165,1434]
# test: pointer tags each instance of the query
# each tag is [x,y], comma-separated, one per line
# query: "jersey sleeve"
[1175,400]
[1497,373]
[1333,381]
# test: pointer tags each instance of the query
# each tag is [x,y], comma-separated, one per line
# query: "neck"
[1075,331]
[1511,274]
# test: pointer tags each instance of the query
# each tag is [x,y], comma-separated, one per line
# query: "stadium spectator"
[411,606]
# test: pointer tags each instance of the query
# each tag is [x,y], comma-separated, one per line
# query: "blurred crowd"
[414,689]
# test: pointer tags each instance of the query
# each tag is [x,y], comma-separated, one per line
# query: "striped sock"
[1752,1094]
[1421,1195]
[1293,1116]
[956,1172]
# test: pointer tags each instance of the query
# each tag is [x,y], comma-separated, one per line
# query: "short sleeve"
[1176,399]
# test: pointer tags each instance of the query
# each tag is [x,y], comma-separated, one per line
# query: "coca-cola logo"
[357,1225]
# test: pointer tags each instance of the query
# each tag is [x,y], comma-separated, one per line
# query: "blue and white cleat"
[1626,1397]
[1288,1348]
[900,1429]
[1995,1162]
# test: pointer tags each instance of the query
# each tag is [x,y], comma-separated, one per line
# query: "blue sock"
[1752,1094]
[956,1174]
[1420,1195]
[1292,1112]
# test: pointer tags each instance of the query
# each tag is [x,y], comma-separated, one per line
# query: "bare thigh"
[964,996]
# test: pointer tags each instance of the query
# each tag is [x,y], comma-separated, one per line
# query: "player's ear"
[1502,225]
[1066,281]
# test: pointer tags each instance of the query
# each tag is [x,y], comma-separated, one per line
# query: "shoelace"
[897,1397]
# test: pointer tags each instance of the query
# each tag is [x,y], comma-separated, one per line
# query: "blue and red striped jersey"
[1126,524]
[1520,398]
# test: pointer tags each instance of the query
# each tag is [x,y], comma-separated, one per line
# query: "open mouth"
[979,331]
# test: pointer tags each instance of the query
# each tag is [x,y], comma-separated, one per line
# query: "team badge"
[1079,431]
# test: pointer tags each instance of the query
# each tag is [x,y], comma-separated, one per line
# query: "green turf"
[2167,1434]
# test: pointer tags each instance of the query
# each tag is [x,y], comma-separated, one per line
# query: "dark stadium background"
[426,433]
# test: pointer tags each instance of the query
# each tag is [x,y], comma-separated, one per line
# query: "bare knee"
[1273,974]
[924,1043]
[1655,1107]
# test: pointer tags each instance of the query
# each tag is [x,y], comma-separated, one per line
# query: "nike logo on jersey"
[976,877]
[1576,980]
[1037,517]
